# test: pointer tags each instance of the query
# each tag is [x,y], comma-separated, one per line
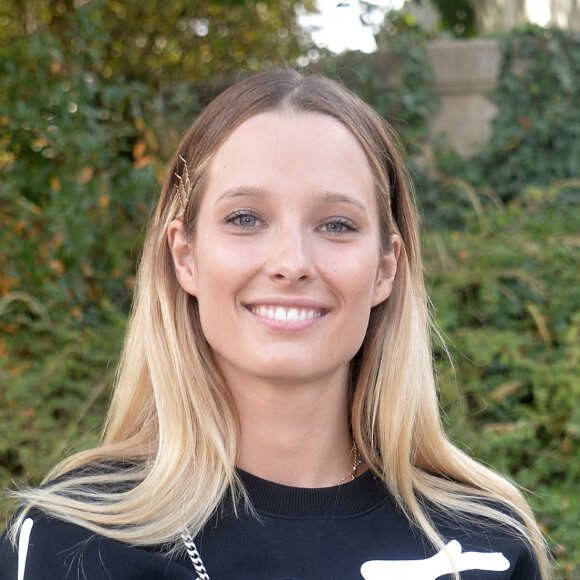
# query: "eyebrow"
[234,192]
[259,193]
[332,197]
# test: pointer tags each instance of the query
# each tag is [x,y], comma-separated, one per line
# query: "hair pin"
[183,188]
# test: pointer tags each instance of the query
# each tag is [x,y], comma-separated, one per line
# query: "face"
[286,263]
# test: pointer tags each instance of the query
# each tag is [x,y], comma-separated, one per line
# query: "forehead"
[308,149]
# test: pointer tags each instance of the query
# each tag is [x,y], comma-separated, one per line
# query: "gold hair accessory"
[357,461]
[183,188]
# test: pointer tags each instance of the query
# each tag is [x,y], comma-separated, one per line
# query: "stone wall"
[465,71]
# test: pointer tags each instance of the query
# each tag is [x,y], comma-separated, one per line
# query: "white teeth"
[292,314]
[286,315]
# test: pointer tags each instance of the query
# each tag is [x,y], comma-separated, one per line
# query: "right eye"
[243,219]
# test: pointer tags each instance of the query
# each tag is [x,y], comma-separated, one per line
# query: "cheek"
[222,273]
[220,261]
[357,276]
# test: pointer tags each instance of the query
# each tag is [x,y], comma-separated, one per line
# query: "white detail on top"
[436,566]
[23,541]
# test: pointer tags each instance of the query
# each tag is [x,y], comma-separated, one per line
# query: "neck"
[294,434]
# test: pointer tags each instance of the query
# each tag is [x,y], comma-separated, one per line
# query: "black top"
[347,532]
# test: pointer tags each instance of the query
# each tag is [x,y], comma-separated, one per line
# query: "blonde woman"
[275,414]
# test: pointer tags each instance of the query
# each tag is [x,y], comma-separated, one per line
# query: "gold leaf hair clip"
[183,188]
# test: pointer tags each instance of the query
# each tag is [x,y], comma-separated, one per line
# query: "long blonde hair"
[172,421]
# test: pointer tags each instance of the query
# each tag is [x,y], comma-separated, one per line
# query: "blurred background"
[94,97]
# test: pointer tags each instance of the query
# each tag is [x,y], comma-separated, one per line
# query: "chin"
[298,372]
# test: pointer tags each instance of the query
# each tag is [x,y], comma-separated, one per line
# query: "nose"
[290,257]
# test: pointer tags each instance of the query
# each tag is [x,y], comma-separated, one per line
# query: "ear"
[387,271]
[183,258]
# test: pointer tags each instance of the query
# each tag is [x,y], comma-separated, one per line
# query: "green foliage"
[54,388]
[80,153]
[54,379]
[457,17]
[505,286]
[165,42]
[536,137]
[503,266]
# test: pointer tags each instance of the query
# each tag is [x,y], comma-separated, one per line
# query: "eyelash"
[237,215]
[345,223]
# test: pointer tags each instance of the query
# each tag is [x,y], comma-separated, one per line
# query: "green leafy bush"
[536,135]
[82,154]
[505,287]
[503,262]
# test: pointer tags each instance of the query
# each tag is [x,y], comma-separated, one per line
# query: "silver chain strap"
[194,556]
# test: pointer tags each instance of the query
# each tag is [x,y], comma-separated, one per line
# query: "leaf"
[55,184]
[139,150]
[85,175]
[505,390]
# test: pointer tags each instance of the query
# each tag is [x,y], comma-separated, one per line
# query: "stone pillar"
[465,72]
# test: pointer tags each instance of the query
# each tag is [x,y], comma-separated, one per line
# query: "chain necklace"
[357,461]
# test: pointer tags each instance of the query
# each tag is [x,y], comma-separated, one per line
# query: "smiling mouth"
[286,314]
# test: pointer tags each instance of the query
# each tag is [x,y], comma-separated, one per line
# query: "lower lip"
[286,325]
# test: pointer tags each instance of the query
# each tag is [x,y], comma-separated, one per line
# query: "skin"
[286,266]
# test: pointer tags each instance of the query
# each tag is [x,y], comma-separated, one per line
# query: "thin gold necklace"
[357,461]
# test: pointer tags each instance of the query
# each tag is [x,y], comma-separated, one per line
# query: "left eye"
[338,226]
[334,227]
[246,221]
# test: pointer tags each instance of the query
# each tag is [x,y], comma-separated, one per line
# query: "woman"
[275,413]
